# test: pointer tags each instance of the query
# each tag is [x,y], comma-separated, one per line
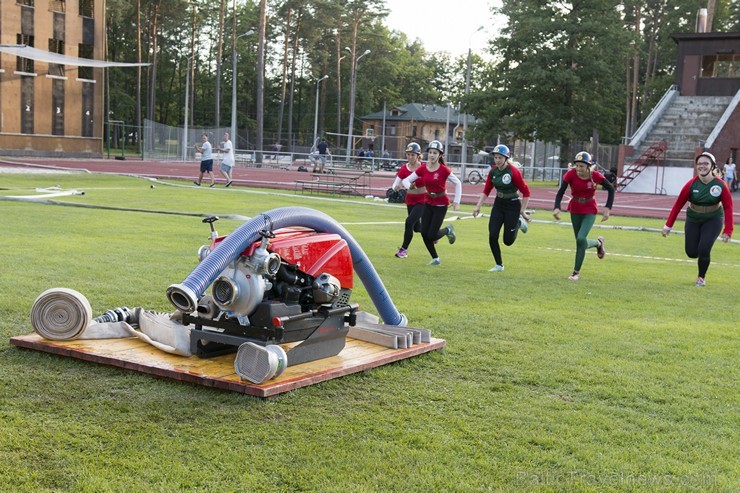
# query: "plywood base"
[134,354]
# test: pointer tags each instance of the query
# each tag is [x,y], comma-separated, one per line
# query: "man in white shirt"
[227,164]
[206,161]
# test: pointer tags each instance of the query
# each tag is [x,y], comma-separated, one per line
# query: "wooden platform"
[218,372]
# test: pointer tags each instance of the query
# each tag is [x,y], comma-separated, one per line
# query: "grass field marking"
[642,257]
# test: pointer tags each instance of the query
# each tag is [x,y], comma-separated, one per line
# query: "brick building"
[51,109]
[415,122]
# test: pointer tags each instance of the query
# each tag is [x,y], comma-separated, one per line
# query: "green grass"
[624,381]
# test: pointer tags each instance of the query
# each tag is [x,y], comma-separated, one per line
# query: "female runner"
[707,195]
[434,177]
[583,179]
[415,198]
[508,210]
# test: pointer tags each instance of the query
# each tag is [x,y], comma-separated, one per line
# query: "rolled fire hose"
[60,314]
[185,295]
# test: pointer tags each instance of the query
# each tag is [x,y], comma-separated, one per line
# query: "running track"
[625,204]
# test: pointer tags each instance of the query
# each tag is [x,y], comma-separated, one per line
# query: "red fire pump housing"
[292,285]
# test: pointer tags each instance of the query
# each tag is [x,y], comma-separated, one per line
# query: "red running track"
[625,204]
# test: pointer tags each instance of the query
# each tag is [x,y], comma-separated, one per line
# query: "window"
[720,65]
[57,107]
[392,130]
[56,46]
[57,5]
[86,8]
[87,108]
[413,131]
[27,105]
[24,64]
[436,134]
[85,51]
[27,3]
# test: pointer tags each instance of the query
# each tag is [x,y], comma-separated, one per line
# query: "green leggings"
[582,224]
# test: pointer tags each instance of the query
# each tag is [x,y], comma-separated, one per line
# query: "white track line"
[642,257]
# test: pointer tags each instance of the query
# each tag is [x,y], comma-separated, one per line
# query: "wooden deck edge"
[166,366]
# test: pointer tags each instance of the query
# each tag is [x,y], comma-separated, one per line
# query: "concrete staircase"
[685,125]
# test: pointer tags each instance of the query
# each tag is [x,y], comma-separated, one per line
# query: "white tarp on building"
[49,57]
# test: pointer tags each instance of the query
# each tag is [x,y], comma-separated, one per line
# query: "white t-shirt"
[206,151]
[228,153]
[729,171]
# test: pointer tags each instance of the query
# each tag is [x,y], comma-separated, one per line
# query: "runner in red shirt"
[710,204]
[434,177]
[583,179]
[415,197]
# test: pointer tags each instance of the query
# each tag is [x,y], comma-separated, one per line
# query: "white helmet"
[437,145]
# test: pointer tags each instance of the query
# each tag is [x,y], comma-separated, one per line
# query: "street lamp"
[233,85]
[464,151]
[187,104]
[352,89]
[316,113]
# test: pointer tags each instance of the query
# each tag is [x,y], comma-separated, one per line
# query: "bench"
[335,183]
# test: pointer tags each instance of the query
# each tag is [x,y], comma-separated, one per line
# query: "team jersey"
[435,183]
[506,181]
[415,194]
[704,194]
[583,192]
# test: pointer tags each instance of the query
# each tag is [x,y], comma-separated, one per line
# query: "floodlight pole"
[353,88]
[187,104]
[464,150]
[233,86]
[316,113]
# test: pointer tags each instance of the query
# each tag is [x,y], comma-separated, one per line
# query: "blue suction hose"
[185,295]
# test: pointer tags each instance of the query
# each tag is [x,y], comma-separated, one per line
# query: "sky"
[444,25]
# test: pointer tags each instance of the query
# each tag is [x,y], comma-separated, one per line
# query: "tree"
[557,77]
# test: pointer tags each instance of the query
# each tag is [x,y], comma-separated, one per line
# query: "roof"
[417,112]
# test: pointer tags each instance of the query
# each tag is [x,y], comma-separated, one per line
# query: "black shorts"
[206,165]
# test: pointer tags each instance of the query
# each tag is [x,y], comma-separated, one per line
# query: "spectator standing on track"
[415,197]
[710,204]
[508,211]
[323,148]
[583,208]
[731,175]
[227,164]
[206,161]
[434,176]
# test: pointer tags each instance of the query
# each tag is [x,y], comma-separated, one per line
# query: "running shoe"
[574,277]
[700,282]
[496,268]
[451,234]
[402,253]
[435,261]
[229,184]
[196,183]
[600,252]
[523,226]
[212,185]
